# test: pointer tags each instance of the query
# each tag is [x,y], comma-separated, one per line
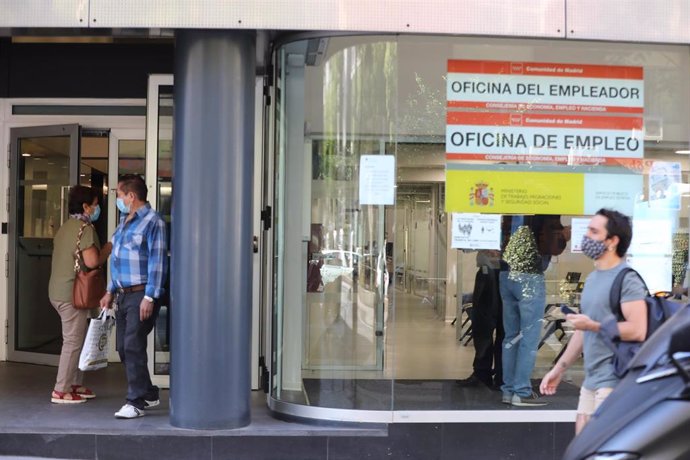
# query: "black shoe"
[473,381]
[496,386]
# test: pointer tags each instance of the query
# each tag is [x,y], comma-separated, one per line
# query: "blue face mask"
[96,214]
[122,206]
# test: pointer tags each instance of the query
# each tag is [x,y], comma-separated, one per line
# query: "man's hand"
[551,381]
[145,309]
[583,322]
[106,301]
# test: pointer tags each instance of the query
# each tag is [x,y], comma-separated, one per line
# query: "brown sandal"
[58,397]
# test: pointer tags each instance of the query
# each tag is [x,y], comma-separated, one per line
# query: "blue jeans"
[131,345]
[524,300]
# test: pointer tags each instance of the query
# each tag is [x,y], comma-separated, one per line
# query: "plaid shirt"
[140,253]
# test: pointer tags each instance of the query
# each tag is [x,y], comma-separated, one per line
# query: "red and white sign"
[504,85]
[571,139]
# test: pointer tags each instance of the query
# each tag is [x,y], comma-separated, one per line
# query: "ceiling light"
[26,154]
[683,152]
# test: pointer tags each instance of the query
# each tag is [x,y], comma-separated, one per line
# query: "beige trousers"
[73,333]
[590,400]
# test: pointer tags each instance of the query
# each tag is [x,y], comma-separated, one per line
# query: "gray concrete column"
[211,264]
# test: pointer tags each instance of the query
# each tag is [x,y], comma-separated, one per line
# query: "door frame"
[155,81]
[9,120]
[260,316]
[117,134]
[73,131]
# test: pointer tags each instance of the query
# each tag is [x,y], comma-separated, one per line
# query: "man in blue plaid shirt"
[138,266]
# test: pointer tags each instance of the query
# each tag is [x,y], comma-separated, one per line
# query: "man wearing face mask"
[137,267]
[607,239]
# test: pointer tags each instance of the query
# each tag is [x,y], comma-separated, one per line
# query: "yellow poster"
[519,192]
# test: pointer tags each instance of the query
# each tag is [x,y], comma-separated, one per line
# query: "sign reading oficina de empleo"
[542,113]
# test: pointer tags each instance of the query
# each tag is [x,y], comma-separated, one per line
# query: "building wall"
[81,70]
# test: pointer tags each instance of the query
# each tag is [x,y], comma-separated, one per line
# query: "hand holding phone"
[567,310]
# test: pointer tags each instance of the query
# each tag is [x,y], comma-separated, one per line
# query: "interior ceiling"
[44,146]
[94,147]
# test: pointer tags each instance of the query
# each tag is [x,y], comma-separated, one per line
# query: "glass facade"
[373,303]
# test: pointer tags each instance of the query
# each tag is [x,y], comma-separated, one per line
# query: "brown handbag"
[89,283]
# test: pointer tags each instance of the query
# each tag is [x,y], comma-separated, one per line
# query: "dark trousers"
[131,345]
[487,317]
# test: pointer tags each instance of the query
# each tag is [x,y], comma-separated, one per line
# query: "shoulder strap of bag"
[616,291]
[79,264]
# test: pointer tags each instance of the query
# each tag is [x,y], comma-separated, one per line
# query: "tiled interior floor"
[419,345]
[422,360]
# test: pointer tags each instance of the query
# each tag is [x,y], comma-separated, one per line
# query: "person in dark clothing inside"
[487,318]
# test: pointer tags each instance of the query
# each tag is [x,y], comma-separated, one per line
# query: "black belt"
[136,288]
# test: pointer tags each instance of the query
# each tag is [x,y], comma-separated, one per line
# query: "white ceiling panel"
[530,18]
[44,13]
[660,21]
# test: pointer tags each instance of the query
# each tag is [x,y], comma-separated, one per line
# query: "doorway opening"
[45,161]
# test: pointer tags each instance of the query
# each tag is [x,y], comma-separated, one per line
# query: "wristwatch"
[150,299]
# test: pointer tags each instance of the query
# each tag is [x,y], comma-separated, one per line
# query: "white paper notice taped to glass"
[377,180]
[578,230]
[476,231]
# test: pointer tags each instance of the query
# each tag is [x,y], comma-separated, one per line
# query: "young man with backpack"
[607,239]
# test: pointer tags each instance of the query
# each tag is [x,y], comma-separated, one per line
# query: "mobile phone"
[567,310]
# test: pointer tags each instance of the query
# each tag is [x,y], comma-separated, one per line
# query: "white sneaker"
[129,411]
[150,404]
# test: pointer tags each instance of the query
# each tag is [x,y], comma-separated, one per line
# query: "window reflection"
[373,304]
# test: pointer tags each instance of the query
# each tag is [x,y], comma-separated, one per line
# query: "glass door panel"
[127,147]
[43,165]
[93,172]
[331,273]
[159,151]
[164,207]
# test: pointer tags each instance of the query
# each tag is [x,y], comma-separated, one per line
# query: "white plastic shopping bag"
[94,354]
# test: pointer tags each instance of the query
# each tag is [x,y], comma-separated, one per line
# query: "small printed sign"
[578,230]
[664,180]
[476,231]
[377,180]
